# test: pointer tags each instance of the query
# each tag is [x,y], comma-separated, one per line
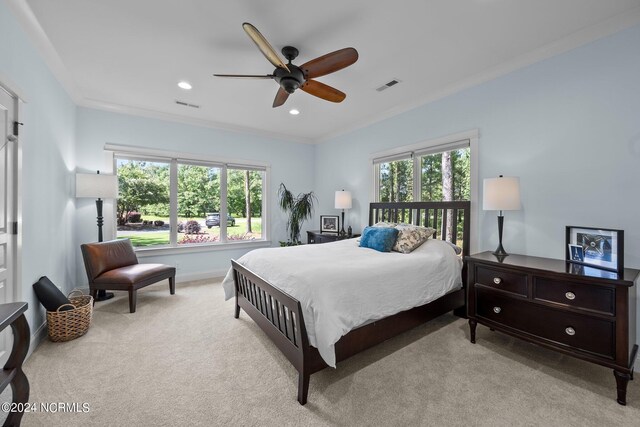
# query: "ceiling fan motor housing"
[289,80]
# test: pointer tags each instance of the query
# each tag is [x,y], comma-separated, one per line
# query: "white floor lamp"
[97,186]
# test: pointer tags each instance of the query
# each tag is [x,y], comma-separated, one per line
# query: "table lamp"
[343,201]
[501,194]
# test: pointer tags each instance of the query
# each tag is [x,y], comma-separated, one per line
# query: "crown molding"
[572,41]
[30,24]
[36,33]
[176,118]
[39,38]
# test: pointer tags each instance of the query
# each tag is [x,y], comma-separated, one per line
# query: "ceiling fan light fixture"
[294,112]
[184,85]
[289,84]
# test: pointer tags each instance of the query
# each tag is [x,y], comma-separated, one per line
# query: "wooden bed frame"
[280,315]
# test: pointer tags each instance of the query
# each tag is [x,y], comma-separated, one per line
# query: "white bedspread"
[342,286]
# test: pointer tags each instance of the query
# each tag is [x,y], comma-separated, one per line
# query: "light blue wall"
[59,139]
[47,141]
[291,163]
[568,126]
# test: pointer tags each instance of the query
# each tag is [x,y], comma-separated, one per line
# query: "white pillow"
[385,224]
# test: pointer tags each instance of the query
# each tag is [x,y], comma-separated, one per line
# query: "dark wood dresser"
[12,314]
[562,306]
[319,237]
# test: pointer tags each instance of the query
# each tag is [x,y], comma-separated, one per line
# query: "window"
[198,203]
[143,202]
[396,181]
[437,174]
[174,202]
[430,174]
[244,201]
[445,175]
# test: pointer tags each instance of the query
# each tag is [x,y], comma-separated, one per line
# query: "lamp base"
[500,252]
[104,295]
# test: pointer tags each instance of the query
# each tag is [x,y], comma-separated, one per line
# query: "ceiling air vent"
[186,104]
[388,85]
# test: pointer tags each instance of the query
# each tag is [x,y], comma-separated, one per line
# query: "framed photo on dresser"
[329,223]
[595,247]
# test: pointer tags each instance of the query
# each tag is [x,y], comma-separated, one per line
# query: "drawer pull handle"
[570,296]
[570,331]
[497,310]
[497,280]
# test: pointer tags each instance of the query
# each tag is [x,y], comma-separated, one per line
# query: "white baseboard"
[203,275]
[36,338]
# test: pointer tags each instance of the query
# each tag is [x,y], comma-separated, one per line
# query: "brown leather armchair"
[113,265]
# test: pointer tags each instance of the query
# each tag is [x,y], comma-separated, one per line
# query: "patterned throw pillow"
[411,237]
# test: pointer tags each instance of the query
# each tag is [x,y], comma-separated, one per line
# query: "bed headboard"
[437,215]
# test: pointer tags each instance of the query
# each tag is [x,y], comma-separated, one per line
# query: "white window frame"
[436,145]
[116,151]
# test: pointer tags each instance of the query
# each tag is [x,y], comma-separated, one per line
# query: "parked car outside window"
[213,220]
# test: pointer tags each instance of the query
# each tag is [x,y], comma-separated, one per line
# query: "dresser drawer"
[577,295]
[502,279]
[563,328]
[323,238]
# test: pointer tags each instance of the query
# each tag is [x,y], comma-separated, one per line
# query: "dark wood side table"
[319,237]
[13,314]
[583,312]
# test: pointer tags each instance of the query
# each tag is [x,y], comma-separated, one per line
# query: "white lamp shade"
[96,186]
[501,194]
[343,199]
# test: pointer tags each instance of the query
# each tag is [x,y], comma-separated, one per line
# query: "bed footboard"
[280,316]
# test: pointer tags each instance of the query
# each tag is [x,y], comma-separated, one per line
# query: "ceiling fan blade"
[245,76]
[323,91]
[281,97]
[264,46]
[330,63]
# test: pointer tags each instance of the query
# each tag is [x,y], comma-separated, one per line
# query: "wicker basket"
[71,324]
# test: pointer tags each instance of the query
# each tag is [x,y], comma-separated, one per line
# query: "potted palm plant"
[299,209]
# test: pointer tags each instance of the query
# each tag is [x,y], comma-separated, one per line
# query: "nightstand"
[580,311]
[319,237]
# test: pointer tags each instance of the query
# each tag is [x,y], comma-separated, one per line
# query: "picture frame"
[595,247]
[583,270]
[329,224]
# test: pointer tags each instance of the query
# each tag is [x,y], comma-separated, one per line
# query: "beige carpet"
[184,360]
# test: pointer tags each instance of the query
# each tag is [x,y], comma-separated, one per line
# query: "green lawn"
[151,238]
[148,239]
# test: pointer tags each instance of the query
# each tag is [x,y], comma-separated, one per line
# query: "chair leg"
[94,294]
[172,285]
[132,300]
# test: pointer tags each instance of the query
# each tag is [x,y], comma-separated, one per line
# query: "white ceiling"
[128,55]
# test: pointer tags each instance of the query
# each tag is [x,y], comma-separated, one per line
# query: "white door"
[8,114]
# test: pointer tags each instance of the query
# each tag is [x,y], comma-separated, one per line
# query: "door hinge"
[16,127]
[14,227]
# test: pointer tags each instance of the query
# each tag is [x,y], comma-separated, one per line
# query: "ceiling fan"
[291,77]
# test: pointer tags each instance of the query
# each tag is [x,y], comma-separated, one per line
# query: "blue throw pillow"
[381,239]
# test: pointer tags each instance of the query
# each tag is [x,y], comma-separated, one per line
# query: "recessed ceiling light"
[184,85]
[294,112]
